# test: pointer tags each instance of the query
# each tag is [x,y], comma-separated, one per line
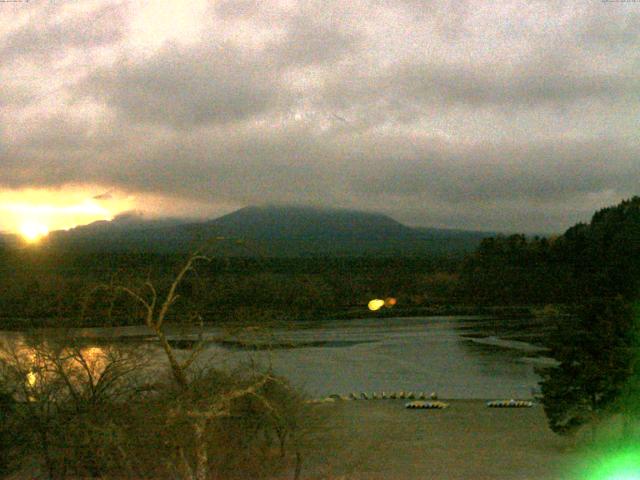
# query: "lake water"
[457,357]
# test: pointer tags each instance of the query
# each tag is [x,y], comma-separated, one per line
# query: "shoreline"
[304,317]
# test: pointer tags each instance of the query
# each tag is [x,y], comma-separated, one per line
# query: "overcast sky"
[515,116]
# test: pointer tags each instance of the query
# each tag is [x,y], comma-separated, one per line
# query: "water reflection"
[43,368]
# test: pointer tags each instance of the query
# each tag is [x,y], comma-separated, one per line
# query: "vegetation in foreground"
[76,411]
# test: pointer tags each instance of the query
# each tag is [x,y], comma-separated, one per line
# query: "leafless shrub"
[66,394]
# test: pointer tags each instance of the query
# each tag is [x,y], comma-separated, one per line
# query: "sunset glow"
[33,232]
[33,213]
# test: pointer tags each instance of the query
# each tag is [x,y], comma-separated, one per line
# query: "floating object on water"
[393,395]
[426,405]
[433,396]
[411,396]
[402,395]
[353,396]
[509,404]
[384,395]
[364,396]
[374,396]
[422,396]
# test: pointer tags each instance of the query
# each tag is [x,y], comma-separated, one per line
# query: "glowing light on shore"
[375,304]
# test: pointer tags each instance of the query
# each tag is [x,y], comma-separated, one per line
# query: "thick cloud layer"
[492,115]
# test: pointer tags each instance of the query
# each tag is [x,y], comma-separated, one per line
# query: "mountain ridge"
[275,230]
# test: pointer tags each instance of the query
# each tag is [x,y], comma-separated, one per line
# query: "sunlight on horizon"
[33,213]
[33,232]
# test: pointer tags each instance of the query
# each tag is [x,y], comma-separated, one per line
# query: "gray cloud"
[478,114]
[47,35]
[554,172]
[309,42]
[184,87]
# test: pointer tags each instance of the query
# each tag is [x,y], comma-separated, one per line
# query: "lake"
[457,357]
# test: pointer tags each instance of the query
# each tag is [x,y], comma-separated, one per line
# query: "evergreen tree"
[595,351]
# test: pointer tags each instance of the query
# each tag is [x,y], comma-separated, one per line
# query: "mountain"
[126,232]
[281,231]
[305,223]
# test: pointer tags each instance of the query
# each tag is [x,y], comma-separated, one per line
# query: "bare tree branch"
[171,296]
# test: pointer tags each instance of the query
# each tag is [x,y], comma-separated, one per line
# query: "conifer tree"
[596,358]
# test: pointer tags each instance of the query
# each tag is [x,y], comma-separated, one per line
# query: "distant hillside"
[281,231]
[127,232]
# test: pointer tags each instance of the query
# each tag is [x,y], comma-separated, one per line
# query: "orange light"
[390,302]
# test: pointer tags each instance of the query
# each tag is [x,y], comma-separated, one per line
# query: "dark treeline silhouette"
[598,259]
[50,287]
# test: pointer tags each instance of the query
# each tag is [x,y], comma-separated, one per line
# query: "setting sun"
[33,213]
[32,232]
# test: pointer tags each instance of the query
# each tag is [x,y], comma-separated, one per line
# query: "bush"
[241,424]
[245,424]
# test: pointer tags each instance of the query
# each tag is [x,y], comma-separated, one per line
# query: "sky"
[501,116]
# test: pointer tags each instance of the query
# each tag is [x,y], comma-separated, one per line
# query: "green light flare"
[616,465]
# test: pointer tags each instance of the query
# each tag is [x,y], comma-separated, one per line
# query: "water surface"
[457,357]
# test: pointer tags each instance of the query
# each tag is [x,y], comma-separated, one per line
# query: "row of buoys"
[402,395]
[509,404]
[426,405]
[420,400]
